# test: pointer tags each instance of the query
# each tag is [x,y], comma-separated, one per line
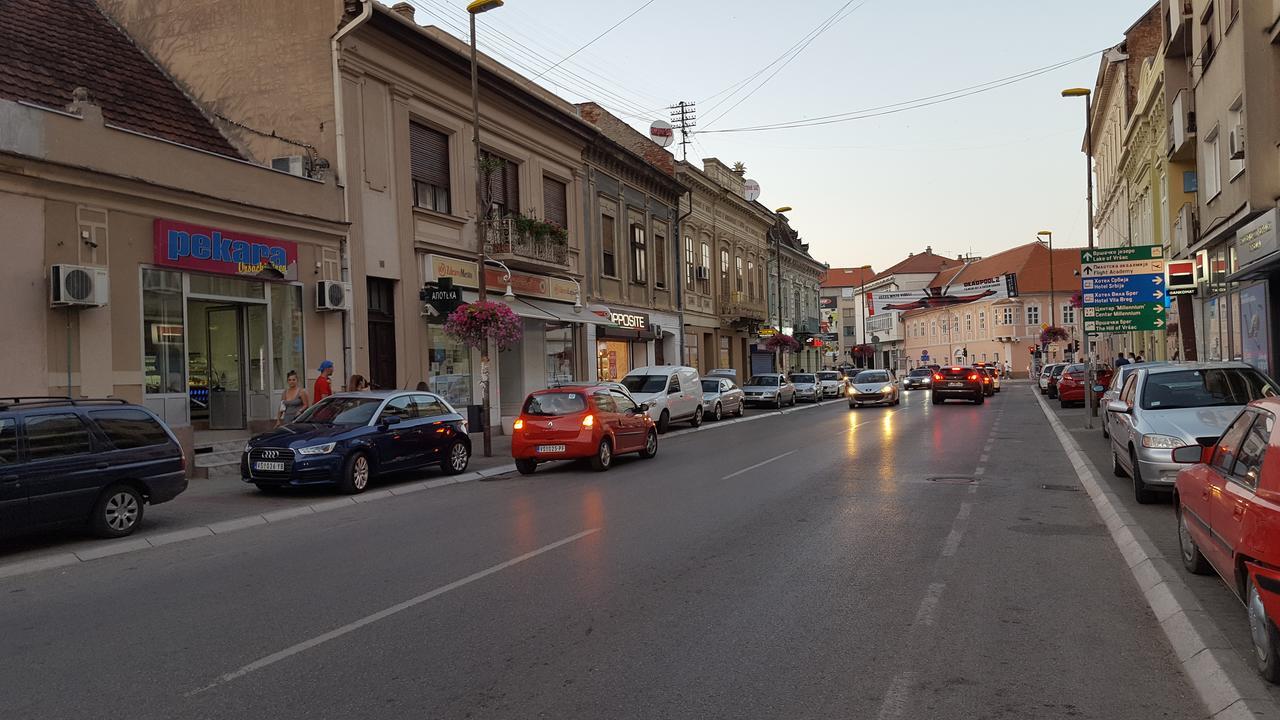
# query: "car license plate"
[550,448]
[955,384]
[265,466]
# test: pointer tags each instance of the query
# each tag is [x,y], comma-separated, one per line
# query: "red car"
[1070,385]
[1228,508]
[584,421]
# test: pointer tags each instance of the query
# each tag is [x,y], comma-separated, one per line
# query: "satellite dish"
[662,133]
[751,190]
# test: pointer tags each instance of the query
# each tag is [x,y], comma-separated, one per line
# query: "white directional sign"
[1132,267]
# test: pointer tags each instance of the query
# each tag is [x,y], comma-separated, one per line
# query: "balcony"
[515,243]
[1179,22]
[1182,126]
[738,308]
[1184,229]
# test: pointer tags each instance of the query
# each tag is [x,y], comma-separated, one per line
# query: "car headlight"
[886,388]
[1163,442]
[247,447]
[324,449]
[853,390]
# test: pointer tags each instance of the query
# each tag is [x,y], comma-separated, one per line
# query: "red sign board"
[211,250]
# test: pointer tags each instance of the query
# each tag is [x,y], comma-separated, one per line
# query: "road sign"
[1126,267]
[1132,317]
[1122,254]
[1122,289]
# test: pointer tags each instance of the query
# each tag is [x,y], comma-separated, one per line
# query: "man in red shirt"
[322,387]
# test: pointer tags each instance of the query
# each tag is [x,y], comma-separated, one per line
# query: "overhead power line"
[592,40]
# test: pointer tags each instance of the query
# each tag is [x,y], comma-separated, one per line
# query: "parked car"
[591,421]
[1071,385]
[873,387]
[833,382]
[1045,373]
[769,389]
[958,382]
[673,393]
[808,387]
[721,397]
[1112,391]
[346,440]
[1051,388]
[992,371]
[1169,406]
[921,377]
[94,463]
[1227,519]
[724,372]
[988,382]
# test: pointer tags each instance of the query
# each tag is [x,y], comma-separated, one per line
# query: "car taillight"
[973,376]
[518,424]
[937,378]
[589,421]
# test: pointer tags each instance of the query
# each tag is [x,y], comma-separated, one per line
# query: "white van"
[674,393]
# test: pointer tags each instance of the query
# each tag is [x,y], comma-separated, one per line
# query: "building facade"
[843,309]
[883,332]
[794,283]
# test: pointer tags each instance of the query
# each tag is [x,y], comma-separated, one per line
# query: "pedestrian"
[357,383]
[1008,369]
[293,401]
[1132,358]
[322,388]
[1121,360]
[423,386]
[1138,359]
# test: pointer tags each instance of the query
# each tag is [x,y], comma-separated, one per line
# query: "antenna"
[684,115]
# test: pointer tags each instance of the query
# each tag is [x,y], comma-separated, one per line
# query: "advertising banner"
[996,288]
[225,252]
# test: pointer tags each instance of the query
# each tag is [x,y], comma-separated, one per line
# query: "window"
[163,354]
[933,328]
[426,406]
[1235,139]
[1212,177]
[1010,315]
[401,407]
[8,441]
[555,201]
[724,272]
[605,402]
[704,283]
[560,352]
[688,266]
[286,332]
[982,321]
[127,428]
[1229,445]
[1068,315]
[850,331]
[659,260]
[623,402]
[751,279]
[1033,314]
[1209,31]
[738,280]
[429,167]
[968,322]
[1253,450]
[639,255]
[608,246]
[56,435]
[502,191]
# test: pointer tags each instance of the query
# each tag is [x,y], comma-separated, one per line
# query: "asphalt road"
[797,566]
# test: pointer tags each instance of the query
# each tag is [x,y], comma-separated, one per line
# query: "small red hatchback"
[1228,510]
[1071,383]
[584,421]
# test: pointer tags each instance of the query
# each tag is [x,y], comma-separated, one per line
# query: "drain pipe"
[679,280]
[340,137]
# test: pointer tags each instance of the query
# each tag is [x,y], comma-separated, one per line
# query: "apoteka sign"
[224,252]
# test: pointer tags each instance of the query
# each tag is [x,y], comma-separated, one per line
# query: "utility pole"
[684,115]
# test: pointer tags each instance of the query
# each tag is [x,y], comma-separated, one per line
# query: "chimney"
[404,9]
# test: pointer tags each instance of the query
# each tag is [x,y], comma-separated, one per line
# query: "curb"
[1227,686]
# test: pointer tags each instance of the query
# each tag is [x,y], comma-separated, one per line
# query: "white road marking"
[895,698]
[952,543]
[928,611]
[983,457]
[388,612]
[749,468]
[981,469]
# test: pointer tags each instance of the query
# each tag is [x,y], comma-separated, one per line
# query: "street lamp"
[777,261]
[1053,318]
[475,8]
[1090,404]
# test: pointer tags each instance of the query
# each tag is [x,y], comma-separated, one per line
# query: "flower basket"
[539,229]
[473,323]
[1077,299]
[862,350]
[785,343]
[1053,334]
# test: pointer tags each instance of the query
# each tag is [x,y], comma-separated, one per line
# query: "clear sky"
[978,174]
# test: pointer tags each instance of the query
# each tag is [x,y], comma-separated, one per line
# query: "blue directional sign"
[1123,289]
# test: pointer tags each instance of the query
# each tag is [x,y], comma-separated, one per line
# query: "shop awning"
[543,309]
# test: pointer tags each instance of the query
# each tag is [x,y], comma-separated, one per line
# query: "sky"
[976,175]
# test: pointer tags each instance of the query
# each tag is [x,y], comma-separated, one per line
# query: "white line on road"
[388,612]
[929,605]
[980,470]
[983,457]
[749,468]
[895,698]
[957,530]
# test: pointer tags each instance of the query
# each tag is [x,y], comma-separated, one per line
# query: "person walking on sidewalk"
[1121,360]
[357,383]
[322,388]
[293,402]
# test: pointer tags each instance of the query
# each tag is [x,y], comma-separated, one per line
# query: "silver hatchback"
[1162,407]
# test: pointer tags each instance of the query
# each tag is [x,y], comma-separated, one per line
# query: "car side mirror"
[1189,454]
[644,407]
[1099,388]
[388,420]
[1116,406]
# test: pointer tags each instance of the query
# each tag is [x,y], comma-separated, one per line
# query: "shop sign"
[827,303]
[1257,240]
[442,297]
[630,321]
[1180,277]
[205,249]
[463,273]
[767,332]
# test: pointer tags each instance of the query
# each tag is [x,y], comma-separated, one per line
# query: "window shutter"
[511,186]
[555,201]
[428,155]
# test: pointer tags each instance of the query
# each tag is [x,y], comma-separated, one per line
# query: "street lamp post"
[475,8]
[1091,402]
[1053,301]
[777,261]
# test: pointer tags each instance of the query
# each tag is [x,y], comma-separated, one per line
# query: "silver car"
[721,397]
[873,387]
[769,389]
[1162,407]
[1112,391]
[808,387]
[832,383]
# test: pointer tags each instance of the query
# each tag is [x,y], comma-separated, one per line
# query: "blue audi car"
[346,439]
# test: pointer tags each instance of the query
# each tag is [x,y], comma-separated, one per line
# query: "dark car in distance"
[921,377]
[958,383]
[348,438]
[98,463]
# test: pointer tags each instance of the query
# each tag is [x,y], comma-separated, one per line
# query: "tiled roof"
[922,263]
[847,277]
[1030,262]
[48,48]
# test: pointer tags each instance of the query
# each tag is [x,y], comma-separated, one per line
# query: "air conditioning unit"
[292,164]
[77,285]
[1235,142]
[332,295]
[703,273]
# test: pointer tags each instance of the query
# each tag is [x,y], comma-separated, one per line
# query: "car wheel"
[650,445]
[1116,468]
[853,405]
[697,417]
[777,404]
[718,413]
[1062,404]
[266,489]
[1263,633]
[664,420]
[118,512]
[455,459]
[937,400]
[355,474]
[1143,494]
[742,409]
[1192,560]
[982,399]
[526,467]
[603,457]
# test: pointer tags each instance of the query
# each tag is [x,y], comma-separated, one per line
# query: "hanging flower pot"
[1054,333]
[863,350]
[1077,299]
[785,343]
[475,322]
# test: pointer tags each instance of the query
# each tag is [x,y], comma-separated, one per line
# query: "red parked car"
[1070,384]
[1228,508]
[585,421]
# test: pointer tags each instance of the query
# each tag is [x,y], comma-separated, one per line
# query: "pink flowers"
[785,343]
[471,324]
[1054,333]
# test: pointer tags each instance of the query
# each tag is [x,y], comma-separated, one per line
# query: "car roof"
[578,387]
[25,402]
[1165,367]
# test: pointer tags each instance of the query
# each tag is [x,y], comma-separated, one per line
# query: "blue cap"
[326,364]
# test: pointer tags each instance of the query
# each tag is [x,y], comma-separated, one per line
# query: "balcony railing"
[505,241]
[739,307]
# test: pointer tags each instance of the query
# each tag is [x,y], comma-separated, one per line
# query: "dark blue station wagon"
[346,439]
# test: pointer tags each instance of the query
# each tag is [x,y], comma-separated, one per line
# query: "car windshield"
[1214,387]
[645,383]
[828,376]
[802,378]
[1057,370]
[1077,368]
[341,410]
[710,386]
[555,403]
[921,372]
[869,376]
[770,380]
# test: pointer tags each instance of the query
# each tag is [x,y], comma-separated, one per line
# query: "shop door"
[224,340]
[382,333]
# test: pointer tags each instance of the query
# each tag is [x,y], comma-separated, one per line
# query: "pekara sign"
[225,252]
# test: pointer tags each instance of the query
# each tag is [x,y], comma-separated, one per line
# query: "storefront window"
[1233,322]
[691,350]
[724,353]
[163,358]
[1212,330]
[286,333]
[258,369]
[448,367]
[223,286]
[1254,328]
[559,351]
[613,359]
